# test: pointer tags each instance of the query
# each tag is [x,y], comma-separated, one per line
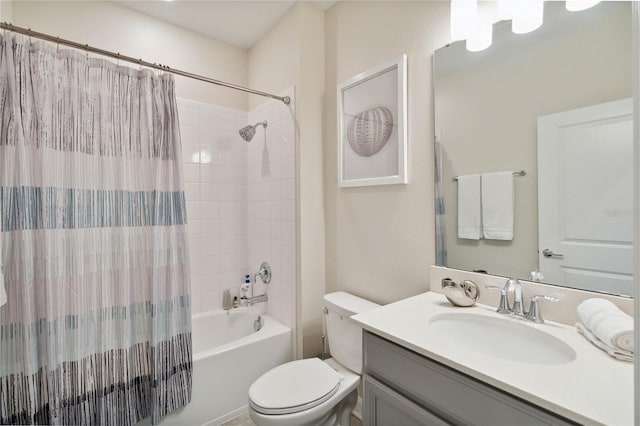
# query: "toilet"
[311,391]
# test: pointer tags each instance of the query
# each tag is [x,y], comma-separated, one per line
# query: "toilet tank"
[345,336]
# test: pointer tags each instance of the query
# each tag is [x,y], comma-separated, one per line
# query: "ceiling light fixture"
[577,5]
[464,14]
[473,21]
[481,31]
[480,38]
[527,16]
[505,9]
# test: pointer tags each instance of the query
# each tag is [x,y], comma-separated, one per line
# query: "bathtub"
[228,355]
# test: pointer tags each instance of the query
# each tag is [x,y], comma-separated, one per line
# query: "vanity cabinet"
[402,387]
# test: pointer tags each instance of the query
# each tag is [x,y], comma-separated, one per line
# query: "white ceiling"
[237,22]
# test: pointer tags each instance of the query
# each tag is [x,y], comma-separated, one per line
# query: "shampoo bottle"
[244,288]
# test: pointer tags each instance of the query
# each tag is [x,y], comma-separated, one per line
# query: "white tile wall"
[271,204]
[215,173]
[240,202]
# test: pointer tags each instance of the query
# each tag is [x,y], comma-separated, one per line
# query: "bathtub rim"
[271,327]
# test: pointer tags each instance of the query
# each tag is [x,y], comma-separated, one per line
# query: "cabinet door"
[384,407]
[453,396]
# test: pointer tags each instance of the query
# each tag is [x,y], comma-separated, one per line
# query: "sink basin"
[502,338]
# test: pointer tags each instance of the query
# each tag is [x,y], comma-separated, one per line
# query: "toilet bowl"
[311,391]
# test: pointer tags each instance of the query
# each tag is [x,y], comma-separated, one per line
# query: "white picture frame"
[372,126]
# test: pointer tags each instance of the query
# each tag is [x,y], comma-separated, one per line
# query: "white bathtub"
[228,355]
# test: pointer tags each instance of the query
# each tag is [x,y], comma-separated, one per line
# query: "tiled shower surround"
[272,207]
[240,202]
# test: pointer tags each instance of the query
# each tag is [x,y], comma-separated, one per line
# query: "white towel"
[614,352]
[3,293]
[497,205]
[591,310]
[607,322]
[469,213]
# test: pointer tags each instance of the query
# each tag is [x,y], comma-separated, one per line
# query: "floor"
[244,420]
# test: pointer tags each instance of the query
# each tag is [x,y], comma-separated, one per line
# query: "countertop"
[592,389]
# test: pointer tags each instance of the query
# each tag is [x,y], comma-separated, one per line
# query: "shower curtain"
[441,237]
[97,325]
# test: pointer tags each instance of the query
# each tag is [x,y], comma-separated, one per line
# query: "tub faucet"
[258,299]
[265,275]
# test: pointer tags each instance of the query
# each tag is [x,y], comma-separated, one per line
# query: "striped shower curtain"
[97,325]
[441,237]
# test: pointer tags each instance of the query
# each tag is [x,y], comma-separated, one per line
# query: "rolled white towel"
[607,322]
[613,352]
[587,309]
[616,330]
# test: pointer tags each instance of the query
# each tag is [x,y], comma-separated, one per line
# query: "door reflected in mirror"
[555,103]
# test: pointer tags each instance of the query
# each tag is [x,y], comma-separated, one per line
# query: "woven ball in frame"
[370,130]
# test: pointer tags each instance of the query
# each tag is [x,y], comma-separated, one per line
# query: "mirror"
[553,103]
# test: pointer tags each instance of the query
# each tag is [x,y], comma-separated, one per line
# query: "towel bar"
[518,173]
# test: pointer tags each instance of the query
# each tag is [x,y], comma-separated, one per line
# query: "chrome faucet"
[265,275]
[258,299]
[517,308]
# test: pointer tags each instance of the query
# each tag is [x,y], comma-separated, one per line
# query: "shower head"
[248,132]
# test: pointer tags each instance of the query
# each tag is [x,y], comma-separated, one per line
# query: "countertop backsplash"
[563,311]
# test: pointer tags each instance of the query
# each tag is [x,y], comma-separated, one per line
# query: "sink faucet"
[517,308]
[514,285]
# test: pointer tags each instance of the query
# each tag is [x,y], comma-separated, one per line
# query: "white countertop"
[592,389]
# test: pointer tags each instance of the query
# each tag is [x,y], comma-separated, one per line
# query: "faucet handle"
[513,284]
[534,310]
[503,307]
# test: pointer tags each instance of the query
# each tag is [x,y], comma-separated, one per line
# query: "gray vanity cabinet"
[403,388]
[384,406]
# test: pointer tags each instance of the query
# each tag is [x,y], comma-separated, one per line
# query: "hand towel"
[615,353]
[608,323]
[497,205]
[591,310]
[469,213]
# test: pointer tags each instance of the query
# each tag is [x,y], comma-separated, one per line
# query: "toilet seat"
[293,387]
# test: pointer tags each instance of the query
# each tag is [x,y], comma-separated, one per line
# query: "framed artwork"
[372,126]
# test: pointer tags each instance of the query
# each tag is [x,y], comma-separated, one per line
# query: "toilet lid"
[294,386]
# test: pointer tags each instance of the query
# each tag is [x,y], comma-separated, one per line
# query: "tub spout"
[258,299]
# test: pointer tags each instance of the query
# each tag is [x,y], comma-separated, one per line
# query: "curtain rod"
[29,32]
